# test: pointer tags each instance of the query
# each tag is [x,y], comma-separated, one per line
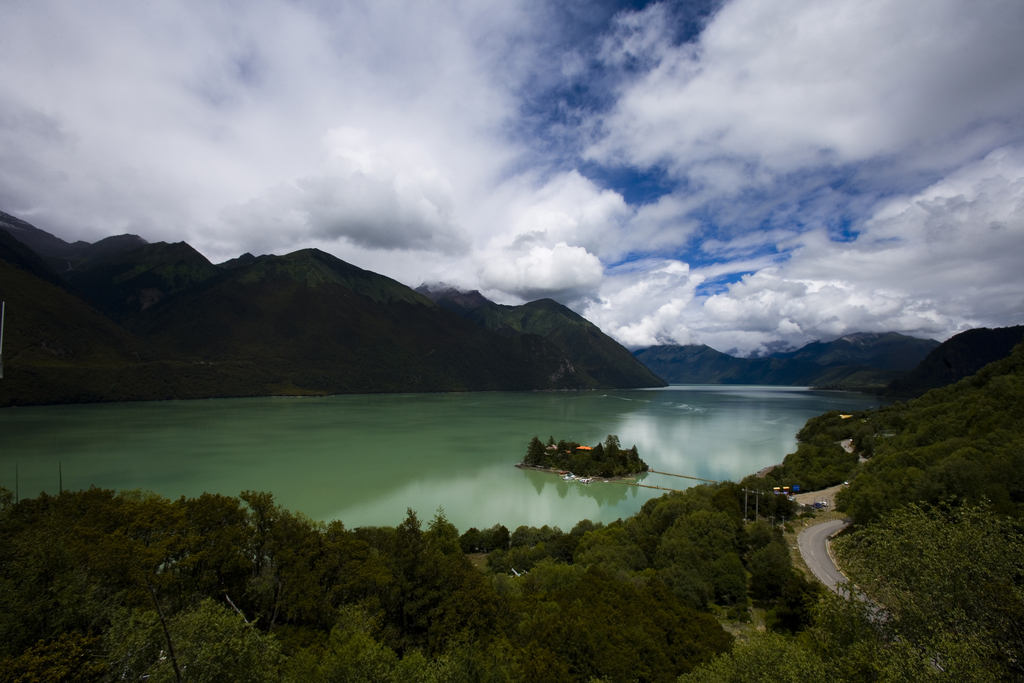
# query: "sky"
[748,174]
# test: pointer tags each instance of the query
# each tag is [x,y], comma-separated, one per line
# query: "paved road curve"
[812,547]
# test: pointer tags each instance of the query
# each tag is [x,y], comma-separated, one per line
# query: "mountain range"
[862,361]
[890,364]
[123,319]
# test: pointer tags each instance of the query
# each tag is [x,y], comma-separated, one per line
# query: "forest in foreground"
[102,586]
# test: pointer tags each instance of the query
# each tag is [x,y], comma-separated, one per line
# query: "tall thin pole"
[3,309]
[17,491]
[60,478]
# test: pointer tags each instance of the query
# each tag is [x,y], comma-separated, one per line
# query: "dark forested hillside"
[167,323]
[64,256]
[590,350]
[126,283]
[322,325]
[959,356]
[963,441]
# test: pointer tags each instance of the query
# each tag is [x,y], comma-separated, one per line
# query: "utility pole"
[3,309]
[756,501]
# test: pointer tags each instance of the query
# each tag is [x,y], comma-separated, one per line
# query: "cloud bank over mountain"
[745,174]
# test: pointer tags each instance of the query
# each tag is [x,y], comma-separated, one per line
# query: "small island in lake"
[603,460]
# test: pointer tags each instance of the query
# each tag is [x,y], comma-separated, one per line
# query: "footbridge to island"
[670,474]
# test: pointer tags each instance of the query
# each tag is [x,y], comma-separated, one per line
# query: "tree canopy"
[606,459]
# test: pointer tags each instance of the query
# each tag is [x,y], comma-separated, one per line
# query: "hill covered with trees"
[123,320]
[965,440]
[937,551]
[591,350]
[962,355]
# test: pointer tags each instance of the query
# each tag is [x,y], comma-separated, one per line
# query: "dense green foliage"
[695,543]
[819,460]
[603,460]
[938,557]
[105,586]
[940,598]
[965,440]
[477,541]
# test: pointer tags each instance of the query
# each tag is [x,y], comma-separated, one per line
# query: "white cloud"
[560,271]
[385,196]
[647,303]
[440,141]
[168,115]
[930,264]
[792,84]
[566,207]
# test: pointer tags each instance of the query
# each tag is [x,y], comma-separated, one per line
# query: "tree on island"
[603,460]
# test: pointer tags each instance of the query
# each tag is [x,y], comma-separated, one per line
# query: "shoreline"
[548,470]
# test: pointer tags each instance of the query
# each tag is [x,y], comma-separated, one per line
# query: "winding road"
[814,549]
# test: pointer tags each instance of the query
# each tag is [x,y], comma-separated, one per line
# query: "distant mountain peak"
[454,298]
[237,262]
[863,338]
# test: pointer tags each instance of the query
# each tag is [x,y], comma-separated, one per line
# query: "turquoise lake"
[365,459]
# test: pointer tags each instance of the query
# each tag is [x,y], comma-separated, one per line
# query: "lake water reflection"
[365,459]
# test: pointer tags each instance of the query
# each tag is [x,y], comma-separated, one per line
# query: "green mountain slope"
[125,283]
[305,323]
[959,356]
[963,441]
[60,349]
[310,323]
[592,351]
